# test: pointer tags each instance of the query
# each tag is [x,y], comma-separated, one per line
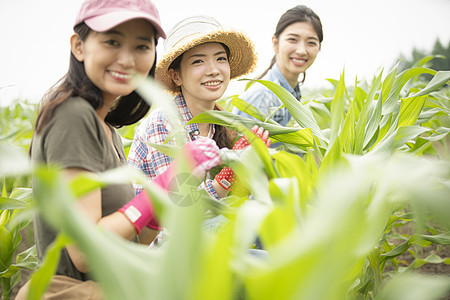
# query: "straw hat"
[198,30]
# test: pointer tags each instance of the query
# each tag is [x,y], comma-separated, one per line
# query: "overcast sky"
[360,35]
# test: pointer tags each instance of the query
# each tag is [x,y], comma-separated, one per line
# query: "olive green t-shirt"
[74,137]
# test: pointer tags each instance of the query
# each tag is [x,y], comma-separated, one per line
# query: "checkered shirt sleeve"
[144,157]
[155,129]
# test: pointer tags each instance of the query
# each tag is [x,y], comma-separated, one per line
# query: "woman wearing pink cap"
[114,45]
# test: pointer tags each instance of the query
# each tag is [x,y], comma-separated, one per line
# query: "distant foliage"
[440,58]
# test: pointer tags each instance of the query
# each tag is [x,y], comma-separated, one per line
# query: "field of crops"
[354,205]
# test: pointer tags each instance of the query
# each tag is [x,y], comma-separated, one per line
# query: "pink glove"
[226,176]
[140,212]
[203,154]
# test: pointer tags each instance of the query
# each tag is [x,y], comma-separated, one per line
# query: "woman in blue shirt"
[296,42]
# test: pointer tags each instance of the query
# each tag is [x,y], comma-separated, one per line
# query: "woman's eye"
[112,42]
[197,61]
[143,47]
[223,58]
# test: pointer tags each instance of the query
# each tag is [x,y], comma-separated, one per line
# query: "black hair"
[223,136]
[299,13]
[126,110]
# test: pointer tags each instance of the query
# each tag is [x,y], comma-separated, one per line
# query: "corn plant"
[16,129]
[326,219]
[15,215]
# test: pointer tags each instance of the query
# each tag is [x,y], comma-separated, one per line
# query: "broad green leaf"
[248,108]
[414,287]
[388,82]
[410,110]
[7,245]
[289,135]
[279,223]
[9,203]
[40,280]
[261,149]
[407,133]
[301,138]
[347,135]
[365,129]
[441,78]
[332,159]
[398,250]
[337,110]
[167,149]
[400,80]
[299,112]
[290,165]
[423,61]
[441,239]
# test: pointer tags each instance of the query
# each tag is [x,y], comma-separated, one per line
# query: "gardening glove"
[202,155]
[226,177]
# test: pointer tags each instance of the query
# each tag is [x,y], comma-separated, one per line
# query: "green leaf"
[9,203]
[365,130]
[406,134]
[41,278]
[247,108]
[441,78]
[410,110]
[7,247]
[167,149]
[440,239]
[400,80]
[299,112]
[296,136]
[337,110]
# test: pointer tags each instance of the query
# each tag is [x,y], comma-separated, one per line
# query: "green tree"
[439,62]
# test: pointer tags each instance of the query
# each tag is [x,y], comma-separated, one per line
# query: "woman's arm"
[91,206]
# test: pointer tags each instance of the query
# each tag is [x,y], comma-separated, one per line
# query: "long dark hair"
[299,13]
[223,136]
[127,110]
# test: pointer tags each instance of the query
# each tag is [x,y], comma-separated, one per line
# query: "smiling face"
[296,49]
[203,76]
[113,59]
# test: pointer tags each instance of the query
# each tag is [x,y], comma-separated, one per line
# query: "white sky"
[360,35]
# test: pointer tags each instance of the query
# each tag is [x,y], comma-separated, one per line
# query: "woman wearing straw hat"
[200,60]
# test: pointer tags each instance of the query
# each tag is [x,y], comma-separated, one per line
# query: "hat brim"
[110,20]
[242,58]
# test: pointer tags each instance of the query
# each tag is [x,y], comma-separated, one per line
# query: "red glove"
[203,154]
[226,176]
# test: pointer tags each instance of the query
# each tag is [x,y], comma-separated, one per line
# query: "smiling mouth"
[120,76]
[299,61]
[212,83]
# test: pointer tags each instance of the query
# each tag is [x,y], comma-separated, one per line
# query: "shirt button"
[196,132]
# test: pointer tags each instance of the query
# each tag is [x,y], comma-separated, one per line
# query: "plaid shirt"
[155,129]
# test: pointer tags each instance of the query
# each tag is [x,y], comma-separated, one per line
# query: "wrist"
[226,178]
[138,211]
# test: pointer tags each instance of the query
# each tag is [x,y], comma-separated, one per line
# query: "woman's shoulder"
[156,116]
[75,107]
[156,120]
[76,104]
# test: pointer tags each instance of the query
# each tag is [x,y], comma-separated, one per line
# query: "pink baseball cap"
[102,15]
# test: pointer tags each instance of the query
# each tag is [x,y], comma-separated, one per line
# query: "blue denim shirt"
[263,99]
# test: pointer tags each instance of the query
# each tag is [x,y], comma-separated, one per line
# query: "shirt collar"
[192,130]
[275,74]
